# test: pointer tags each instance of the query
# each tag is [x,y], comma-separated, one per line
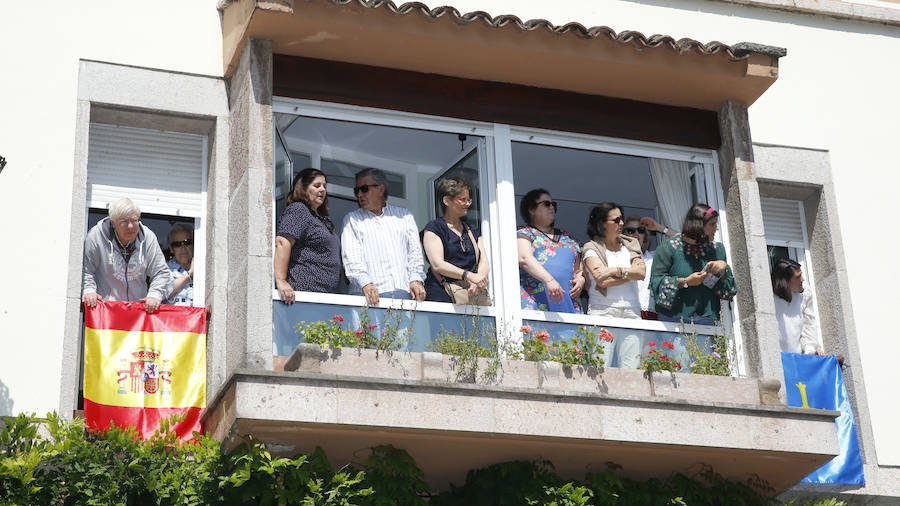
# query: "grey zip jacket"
[105,271]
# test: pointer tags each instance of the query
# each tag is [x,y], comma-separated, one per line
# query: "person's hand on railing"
[285,290]
[371,293]
[151,304]
[417,290]
[90,299]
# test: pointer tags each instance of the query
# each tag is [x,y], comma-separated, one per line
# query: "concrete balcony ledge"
[579,419]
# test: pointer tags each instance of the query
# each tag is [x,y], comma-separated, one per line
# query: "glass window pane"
[467,169]
[425,325]
[283,175]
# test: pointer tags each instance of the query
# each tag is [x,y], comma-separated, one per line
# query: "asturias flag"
[141,368]
[816,382]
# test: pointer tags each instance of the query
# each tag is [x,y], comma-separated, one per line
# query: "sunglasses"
[463,202]
[548,203]
[617,219]
[463,245]
[631,230]
[364,188]
[186,242]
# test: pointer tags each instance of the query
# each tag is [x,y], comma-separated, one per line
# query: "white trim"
[338,299]
[606,321]
[610,145]
[503,220]
[199,299]
[344,112]
[731,315]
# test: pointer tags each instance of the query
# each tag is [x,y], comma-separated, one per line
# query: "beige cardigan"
[599,247]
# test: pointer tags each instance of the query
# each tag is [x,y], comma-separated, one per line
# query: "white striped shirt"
[383,250]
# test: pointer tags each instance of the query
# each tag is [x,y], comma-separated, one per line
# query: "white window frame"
[800,254]
[500,210]
[198,216]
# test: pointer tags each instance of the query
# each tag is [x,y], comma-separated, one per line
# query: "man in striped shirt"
[380,244]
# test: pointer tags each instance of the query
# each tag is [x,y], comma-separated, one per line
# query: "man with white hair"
[119,255]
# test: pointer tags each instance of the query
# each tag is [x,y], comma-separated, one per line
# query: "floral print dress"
[558,257]
[675,258]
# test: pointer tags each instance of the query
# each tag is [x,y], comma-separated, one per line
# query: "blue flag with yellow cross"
[816,382]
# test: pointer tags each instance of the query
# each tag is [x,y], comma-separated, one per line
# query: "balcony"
[349,399]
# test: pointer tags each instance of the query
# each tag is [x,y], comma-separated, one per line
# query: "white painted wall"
[838,90]
[42,43]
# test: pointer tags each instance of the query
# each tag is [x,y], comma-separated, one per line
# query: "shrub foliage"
[59,462]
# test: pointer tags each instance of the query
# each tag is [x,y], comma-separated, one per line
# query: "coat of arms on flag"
[142,368]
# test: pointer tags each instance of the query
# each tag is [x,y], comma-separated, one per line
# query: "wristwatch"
[684,283]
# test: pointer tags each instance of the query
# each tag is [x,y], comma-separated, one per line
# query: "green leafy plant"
[710,356]
[394,477]
[656,360]
[329,333]
[583,349]
[466,349]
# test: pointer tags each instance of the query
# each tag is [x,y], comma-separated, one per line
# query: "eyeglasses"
[128,221]
[631,230]
[178,244]
[463,202]
[548,203]
[364,188]
[617,219]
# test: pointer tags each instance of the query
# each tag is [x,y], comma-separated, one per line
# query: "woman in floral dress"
[550,274]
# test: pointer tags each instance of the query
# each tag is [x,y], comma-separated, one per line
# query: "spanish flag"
[142,368]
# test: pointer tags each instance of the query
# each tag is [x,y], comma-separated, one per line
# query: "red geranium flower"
[651,344]
[606,335]
[664,358]
[543,336]
[338,318]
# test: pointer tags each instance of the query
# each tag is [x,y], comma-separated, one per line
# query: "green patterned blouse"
[675,258]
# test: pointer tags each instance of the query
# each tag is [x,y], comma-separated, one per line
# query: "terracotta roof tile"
[740,50]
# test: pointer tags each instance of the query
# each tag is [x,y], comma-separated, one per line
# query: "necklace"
[547,236]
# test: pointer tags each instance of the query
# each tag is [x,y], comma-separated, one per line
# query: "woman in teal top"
[690,275]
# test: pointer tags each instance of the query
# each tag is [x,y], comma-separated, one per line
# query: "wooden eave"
[594,61]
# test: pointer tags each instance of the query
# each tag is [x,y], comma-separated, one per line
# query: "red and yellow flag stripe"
[141,368]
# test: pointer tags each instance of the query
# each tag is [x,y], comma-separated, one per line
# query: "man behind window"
[181,282]
[120,254]
[380,244]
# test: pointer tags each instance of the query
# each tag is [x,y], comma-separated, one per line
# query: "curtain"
[672,182]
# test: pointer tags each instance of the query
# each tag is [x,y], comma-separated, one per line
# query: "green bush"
[55,461]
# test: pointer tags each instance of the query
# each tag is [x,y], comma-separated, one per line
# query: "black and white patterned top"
[315,261]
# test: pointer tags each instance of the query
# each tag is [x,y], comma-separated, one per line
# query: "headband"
[708,212]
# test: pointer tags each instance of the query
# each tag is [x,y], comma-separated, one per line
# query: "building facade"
[203,112]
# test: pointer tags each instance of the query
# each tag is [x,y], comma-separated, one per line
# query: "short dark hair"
[377,174]
[529,202]
[306,177]
[695,220]
[784,270]
[599,215]
[645,244]
[451,187]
